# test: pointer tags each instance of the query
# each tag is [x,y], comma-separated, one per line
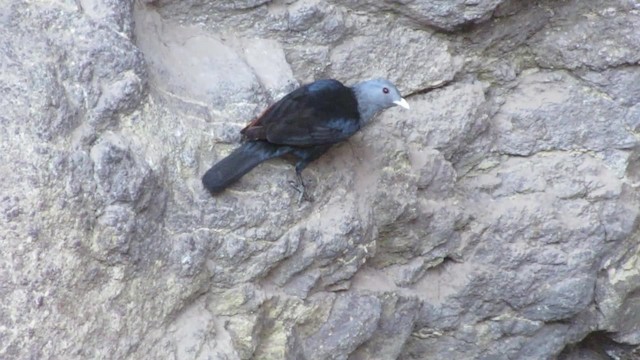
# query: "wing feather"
[323,112]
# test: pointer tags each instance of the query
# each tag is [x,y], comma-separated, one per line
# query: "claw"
[300,188]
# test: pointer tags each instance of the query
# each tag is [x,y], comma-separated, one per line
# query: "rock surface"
[496,220]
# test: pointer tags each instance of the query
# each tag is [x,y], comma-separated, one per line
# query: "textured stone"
[447,15]
[588,44]
[403,49]
[394,328]
[498,219]
[352,321]
[546,105]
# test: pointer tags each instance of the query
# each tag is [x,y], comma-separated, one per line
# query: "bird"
[304,123]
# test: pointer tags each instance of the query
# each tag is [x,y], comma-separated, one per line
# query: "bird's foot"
[302,192]
[300,187]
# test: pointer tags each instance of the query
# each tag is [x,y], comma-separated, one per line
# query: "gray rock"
[588,43]
[114,13]
[545,104]
[352,321]
[495,220]
[621,84]
[187,62]
[351,58]
[563,300]
[445,15]
[394,328]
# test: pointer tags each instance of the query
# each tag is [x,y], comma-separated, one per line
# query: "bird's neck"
[367,108]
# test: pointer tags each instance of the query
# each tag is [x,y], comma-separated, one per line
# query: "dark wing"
[323,112]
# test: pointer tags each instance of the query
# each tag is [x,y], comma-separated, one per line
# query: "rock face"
[498,219]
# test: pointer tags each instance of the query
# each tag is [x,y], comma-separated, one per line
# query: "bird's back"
[321,112]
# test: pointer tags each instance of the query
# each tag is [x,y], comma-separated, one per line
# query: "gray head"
[376,95]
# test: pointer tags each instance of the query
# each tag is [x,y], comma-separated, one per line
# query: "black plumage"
[305,123]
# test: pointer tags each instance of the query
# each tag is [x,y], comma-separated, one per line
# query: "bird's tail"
[240,162]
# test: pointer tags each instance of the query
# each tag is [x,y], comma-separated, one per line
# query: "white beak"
[402,102]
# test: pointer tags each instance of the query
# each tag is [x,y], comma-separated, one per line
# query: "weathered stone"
[447,15]
[403,47]
[352,321]
[552,111]
[394,328]
[582,39]
[495,220]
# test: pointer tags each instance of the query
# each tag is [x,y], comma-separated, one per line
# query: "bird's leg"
[300,187]
[295,184]
[305,156]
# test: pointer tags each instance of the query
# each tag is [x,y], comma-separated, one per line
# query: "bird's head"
[383,93]
[376,95]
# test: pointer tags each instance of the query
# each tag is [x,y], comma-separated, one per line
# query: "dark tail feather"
[240,162]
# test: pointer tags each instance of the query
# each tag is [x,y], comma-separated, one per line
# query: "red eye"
[385,90]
